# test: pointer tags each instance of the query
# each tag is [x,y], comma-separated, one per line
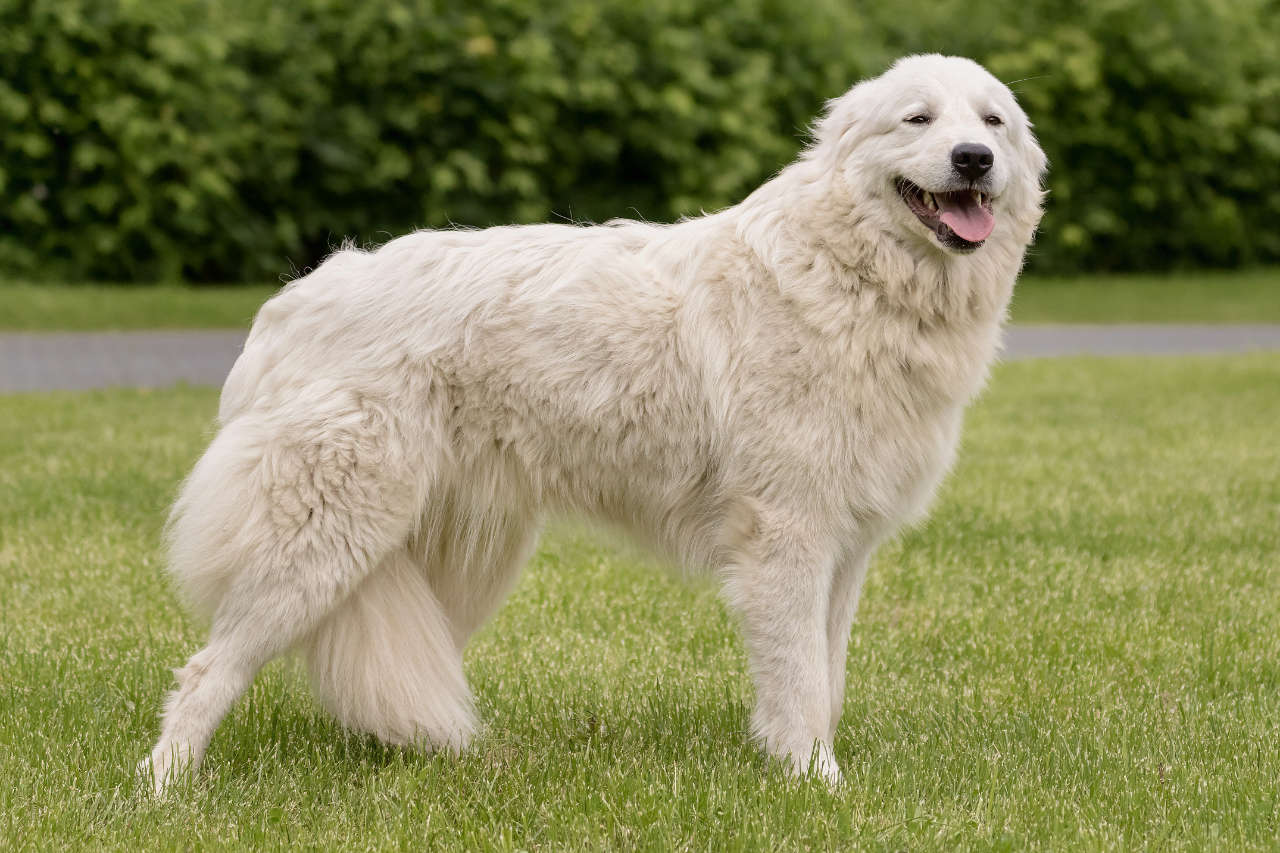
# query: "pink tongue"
[970,220]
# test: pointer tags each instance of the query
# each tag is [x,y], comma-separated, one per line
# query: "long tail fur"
[385,662]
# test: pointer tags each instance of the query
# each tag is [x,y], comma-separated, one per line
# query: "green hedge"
[238,140]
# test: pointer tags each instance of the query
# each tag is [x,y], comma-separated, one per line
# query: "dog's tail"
[385,662]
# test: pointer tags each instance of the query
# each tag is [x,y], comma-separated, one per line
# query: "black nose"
[972,160]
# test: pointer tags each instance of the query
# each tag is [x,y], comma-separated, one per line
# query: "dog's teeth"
[929,202]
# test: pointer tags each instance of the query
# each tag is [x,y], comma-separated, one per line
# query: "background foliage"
[233,140]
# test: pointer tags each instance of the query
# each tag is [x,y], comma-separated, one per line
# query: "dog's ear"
[1034,164]
[869,108]
[1026,191]
[1024,137]
[1034,155]
[843,124]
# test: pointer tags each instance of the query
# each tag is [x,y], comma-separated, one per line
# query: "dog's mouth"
[961,219]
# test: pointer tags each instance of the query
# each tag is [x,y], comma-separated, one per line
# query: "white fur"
[766,392]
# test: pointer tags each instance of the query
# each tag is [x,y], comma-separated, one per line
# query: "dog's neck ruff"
[817,245]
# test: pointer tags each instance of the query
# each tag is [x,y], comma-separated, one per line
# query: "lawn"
[1248,296]
[44,307]
[1081,650]
[1240,296]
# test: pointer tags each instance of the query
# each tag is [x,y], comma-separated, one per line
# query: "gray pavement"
[1057,340]
[41,361]
[47,361]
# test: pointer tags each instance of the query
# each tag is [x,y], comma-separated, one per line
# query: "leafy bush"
[232,140]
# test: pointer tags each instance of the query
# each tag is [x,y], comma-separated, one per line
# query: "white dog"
[766,392]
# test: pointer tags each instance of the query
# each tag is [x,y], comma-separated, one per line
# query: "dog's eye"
[918,119]
[994,120]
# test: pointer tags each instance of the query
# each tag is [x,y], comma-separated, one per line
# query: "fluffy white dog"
[766,392]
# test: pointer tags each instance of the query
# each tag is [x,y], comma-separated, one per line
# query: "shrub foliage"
[240,139]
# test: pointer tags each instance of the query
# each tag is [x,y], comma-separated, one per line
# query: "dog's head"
[935,151]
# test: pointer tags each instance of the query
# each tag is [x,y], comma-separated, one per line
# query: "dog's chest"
[897,413]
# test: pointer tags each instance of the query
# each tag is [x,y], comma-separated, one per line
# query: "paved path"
[41,361]
[1053,340]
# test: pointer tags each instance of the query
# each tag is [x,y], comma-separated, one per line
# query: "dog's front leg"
[846,588]
[782,597]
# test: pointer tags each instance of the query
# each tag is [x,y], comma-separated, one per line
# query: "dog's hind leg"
[273,529]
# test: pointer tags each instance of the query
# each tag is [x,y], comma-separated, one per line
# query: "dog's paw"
[147,776]
[162,768]
[819,762]
[823,765]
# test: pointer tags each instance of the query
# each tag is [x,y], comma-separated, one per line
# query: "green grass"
[1249,296]
[1242,296]
[86,307]
[1081,650]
